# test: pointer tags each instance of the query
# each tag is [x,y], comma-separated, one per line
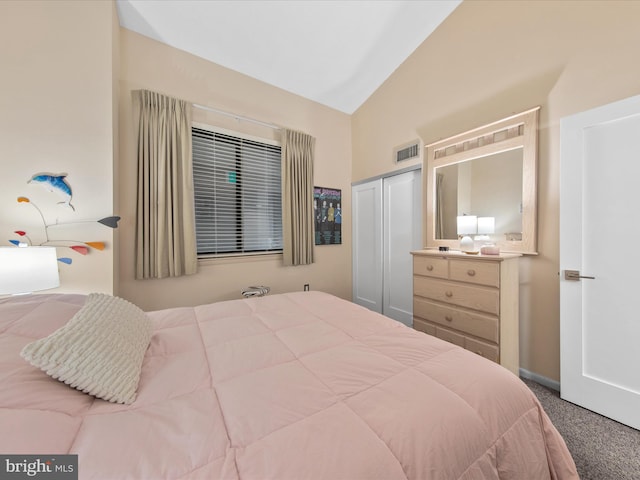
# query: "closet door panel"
[402,231]
[366,201]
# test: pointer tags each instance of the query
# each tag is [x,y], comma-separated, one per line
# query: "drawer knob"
[449,293]
[429,267]
[471,272]
[448,318]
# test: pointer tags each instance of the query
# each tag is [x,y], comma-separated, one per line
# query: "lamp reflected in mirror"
[486,227]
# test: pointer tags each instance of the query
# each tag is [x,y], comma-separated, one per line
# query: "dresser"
[469,300]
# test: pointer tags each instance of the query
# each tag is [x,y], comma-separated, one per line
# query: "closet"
[387,226]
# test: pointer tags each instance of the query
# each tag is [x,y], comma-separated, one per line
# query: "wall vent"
[408,151]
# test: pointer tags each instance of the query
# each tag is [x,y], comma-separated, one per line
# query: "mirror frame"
[516,131]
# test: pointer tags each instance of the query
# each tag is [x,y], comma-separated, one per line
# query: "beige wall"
[150,65]
[57,115]
[65,74]
[490,59]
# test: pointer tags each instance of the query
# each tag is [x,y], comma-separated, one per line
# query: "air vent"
[408,151]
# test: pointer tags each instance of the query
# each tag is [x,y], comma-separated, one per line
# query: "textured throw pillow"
[99,351]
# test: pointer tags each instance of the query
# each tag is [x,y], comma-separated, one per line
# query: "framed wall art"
[327,210]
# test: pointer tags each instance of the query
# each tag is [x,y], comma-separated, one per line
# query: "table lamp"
[467,225]
[28,269]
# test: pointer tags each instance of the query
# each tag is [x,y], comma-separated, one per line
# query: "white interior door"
[366,203]
[600,238]
[402,230]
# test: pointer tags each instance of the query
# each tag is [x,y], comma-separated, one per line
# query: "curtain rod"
[237,117]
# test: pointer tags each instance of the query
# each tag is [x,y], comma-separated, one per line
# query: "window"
[237,193]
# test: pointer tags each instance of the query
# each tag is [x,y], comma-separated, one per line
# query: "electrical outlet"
[306,287]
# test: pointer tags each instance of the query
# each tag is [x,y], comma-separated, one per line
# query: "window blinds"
[237,188]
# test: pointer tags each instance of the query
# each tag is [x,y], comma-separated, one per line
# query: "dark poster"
[327,210]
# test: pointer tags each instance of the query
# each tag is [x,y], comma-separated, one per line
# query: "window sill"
[239,258]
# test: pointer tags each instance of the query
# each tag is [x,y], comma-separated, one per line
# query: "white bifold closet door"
[387,226]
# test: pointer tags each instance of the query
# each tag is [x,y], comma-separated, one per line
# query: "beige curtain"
[165,218]
[297,197]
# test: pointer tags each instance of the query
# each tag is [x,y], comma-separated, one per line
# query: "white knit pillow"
[99,351]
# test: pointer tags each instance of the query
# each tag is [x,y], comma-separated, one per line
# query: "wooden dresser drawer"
[423,326]
[480,272]
[490,352]
[449,336]
[483,326]
[484,349]
[476,298]
[431,267]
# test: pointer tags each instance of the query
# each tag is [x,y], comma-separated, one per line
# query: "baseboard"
[547,382]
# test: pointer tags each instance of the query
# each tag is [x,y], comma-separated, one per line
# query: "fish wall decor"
[55,183]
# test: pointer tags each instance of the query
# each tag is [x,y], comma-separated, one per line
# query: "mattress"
[289,386]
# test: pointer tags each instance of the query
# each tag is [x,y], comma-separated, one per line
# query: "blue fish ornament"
[55,183]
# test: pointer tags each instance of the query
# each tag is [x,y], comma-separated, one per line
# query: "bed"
[289,386]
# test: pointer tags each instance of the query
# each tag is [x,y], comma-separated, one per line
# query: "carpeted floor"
[603,449]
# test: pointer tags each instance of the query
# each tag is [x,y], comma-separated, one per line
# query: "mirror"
[490,173]
[474,188]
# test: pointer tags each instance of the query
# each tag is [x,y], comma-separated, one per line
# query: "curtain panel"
[297,197]
[165,218]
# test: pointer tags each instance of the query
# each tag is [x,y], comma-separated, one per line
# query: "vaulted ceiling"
[336,53]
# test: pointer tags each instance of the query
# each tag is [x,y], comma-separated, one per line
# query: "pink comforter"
[286,387]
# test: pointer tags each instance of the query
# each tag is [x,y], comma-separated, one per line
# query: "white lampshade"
[28,269]
[467,224]
[486,225]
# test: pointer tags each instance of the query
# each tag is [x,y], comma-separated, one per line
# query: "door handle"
[575,276]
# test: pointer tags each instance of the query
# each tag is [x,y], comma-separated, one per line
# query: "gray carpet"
[603,449]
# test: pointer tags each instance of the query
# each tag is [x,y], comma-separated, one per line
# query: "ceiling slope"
[336,53]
